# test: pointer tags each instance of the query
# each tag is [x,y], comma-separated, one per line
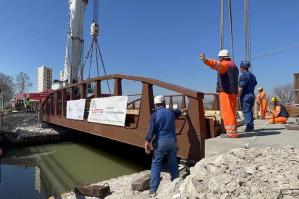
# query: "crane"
[75,42]
[73,64]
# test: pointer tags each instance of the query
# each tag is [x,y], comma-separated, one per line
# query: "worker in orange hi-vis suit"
[280,114]
[262,100]
[227,86]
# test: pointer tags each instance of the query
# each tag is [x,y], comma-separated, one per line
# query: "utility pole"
[2,104]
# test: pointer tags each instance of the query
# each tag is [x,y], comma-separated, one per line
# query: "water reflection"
[42,171]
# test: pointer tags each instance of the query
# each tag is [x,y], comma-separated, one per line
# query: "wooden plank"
[133,111]
[293,110]
[292,127]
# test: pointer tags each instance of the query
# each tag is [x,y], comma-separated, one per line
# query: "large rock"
[142,183]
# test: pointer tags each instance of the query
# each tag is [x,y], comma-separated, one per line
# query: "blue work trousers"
[161,147]
[247,102]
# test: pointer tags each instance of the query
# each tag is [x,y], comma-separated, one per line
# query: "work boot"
[230,135]
[249,129]
[152,194]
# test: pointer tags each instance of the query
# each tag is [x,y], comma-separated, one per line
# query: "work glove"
[202,57]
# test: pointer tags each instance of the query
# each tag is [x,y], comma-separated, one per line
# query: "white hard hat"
[159,99]
[223,53]
[260,88]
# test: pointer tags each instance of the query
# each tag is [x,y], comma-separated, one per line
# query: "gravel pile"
[23,123]
[19,119]
[258,173]
[245,173]
[22,128]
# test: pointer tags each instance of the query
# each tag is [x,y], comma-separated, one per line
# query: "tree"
[285,93]
[22,82]
[7,89]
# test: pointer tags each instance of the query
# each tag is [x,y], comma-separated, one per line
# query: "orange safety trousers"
[263,104]
[228,108]
[278,120]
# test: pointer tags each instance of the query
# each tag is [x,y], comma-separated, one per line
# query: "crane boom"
[75,41]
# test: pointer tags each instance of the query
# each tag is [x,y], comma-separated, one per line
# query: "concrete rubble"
[239,173]
[22,128]
[24,123]
[244,173]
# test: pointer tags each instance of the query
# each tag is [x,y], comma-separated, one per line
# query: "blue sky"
[158,39]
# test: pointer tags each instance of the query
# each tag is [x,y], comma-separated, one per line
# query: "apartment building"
[44,78]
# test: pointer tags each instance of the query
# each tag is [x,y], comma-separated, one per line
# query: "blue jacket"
[162,124]
[247,82]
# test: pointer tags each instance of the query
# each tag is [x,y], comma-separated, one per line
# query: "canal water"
[49,170]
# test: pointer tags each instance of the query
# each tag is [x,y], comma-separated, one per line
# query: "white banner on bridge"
[108,110]
[75,109]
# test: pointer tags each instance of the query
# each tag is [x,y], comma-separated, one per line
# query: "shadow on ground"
[265,132]
[269,129]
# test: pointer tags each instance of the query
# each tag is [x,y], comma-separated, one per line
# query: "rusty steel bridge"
[192,128]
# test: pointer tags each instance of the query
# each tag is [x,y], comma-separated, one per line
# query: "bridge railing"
[191,128]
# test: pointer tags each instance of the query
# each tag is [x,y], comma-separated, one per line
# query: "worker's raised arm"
[221,67]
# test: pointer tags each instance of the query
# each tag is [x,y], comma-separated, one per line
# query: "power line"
[277,51]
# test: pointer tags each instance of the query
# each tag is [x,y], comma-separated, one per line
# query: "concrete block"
[141,184]
[44,125]
[94,190]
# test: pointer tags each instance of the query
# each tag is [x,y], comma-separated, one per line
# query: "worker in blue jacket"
[161,134]
[247,83]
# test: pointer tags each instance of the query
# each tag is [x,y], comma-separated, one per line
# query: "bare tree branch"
[7,88]
[22,82]
[285,93]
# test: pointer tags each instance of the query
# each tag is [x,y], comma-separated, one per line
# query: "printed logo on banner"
[75,109]
[108,110]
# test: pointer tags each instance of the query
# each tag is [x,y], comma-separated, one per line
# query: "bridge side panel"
[191,141]
[146,106]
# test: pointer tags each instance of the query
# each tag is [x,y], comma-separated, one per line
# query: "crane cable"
[104,69]
[90,60]
[95,11]
[231,26]
[247,41]
[95,46]
[221,24]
